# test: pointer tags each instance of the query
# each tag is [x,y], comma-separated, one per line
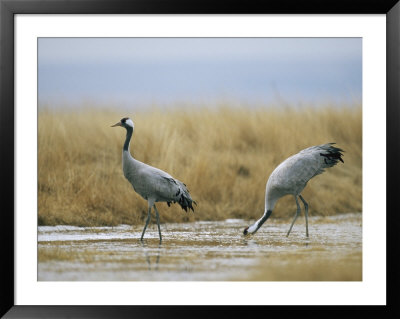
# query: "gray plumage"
[153,184]
[291,177]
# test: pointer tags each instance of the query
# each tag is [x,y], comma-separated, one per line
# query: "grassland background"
[224,155]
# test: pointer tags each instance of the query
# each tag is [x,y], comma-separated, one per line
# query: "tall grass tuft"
[223,154]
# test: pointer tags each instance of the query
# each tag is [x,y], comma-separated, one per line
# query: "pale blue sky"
[140,71]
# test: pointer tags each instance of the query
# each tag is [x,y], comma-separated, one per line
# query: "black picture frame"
[7,11]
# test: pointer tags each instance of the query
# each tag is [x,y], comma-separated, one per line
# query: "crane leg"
[295,216]
[158,221]
[147,222]
[306,212]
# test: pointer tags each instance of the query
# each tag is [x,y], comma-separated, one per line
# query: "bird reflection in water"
[148,252]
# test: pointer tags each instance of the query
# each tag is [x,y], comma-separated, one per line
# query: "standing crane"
[153,184]
[291,177]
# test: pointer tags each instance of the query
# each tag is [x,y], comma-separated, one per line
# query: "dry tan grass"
[223,154]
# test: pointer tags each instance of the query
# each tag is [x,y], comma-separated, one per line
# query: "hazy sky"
[140,71]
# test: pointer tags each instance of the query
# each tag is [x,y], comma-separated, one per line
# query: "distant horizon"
[182,104]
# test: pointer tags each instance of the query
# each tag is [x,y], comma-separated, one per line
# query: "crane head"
[245,232]
[125,122]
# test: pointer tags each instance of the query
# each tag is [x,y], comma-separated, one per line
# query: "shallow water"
[203,251]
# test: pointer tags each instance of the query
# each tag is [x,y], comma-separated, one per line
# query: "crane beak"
[117,124]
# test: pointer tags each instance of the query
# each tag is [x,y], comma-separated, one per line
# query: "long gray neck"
[129,131]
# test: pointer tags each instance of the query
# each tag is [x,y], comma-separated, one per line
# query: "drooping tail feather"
[182,196]
[332,155]
[185,200]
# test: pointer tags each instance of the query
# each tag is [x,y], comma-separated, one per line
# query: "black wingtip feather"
[186,203]
[333,155]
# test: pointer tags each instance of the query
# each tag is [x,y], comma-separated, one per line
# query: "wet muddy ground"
[204,251]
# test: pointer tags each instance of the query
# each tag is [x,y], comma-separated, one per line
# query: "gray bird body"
[292,175]
[153,184]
